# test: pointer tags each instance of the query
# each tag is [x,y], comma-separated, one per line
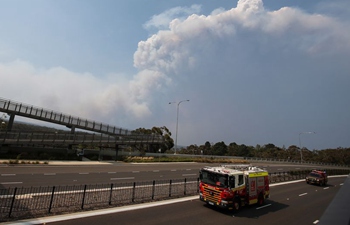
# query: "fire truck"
[233,186]
[317,177]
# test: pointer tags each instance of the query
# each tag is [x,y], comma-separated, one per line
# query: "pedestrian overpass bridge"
[102,133]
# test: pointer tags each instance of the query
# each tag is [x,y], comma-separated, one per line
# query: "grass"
[138,159]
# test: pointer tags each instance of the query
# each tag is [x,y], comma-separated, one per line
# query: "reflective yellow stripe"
[238,189]
[253,201]
[258,174]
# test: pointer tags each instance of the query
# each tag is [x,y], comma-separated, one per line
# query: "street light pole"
[177,119]
[301,152]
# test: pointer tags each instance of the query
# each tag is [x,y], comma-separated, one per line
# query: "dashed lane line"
[192,174]
[264,206]
[11,183]
[123,178]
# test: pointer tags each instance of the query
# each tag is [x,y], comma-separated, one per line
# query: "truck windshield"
[215,179]
[314,175]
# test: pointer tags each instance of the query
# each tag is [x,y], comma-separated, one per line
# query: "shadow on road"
[253,211]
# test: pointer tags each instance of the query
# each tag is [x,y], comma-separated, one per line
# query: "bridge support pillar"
[10,123]
[72,129]
[116,151]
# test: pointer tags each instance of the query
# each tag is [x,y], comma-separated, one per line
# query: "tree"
[162,131]
[219,148]
[207,148]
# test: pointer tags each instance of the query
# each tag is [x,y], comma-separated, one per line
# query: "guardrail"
[250,159]
[44,138]
[20,203]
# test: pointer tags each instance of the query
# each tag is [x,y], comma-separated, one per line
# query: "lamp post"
[301,152]
[177,119]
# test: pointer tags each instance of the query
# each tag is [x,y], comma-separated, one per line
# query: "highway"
[289,204]
[54,175]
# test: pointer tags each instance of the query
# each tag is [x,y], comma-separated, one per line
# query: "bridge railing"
[48,115]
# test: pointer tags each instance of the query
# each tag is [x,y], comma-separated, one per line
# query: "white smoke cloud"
[80,94]
[161,21]
[225,52]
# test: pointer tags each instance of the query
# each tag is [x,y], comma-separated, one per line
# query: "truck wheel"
[236,205]
[261,200]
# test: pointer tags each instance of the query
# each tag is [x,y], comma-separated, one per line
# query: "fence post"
[82,203]
[153,189]
[185,187]
[170,188]
[51,200]
[197,185]
[110,195]
[133,192]
[13,201]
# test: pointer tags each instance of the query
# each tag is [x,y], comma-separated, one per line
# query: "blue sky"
[255,72]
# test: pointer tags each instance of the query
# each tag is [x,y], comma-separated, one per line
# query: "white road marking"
[123,178]
[8,175]
[341,184]
[326,188]
[264,206]
[83,173]
[303,194]
[316,222]
[172,170]
[51,219]
[12,183]
[135,171]
[49,174]
[112,172]
[192,174]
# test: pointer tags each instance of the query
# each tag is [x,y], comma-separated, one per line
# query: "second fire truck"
[233,186]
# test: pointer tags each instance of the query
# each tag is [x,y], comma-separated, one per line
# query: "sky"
[254,72]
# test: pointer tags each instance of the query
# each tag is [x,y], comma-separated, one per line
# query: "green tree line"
[292,153]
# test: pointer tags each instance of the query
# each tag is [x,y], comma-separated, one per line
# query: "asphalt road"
[290,204]
[54,175]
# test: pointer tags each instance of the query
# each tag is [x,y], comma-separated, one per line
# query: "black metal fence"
[20,203]
[35,201]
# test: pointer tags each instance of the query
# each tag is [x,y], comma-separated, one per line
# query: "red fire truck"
[233,186]
[317,177]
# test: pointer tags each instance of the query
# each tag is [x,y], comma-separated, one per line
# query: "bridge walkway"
[13,108]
